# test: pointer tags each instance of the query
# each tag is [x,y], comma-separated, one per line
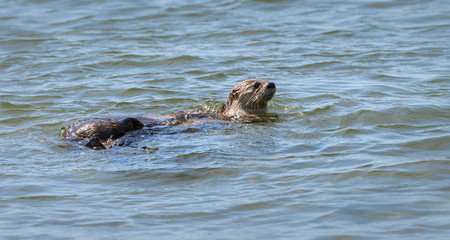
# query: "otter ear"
[233,95]
[228,103]
[234,92]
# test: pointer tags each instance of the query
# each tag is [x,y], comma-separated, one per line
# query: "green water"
[360,148]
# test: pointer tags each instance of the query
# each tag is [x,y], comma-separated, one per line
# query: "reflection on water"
[359,148]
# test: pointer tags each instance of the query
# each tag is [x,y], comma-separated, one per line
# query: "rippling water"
[360,149]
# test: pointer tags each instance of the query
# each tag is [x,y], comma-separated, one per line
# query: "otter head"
[248,98]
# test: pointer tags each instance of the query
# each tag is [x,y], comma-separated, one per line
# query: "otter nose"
[271,85]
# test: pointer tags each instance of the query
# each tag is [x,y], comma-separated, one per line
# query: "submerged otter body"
[246,101]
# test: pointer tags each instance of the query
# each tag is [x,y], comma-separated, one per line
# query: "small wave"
[180,59]
[439,80]
[163,176]
[73,21]
[339,33]
[321,97]
[430,144]
[351,132]
[383,5]
[45,197]
[16,106]
[119,63]
[134,91]
[395,115]
[320,65]
[318,110]
[119,224]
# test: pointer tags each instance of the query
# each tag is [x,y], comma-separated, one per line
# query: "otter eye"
[256,85]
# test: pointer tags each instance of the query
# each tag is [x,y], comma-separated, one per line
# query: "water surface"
[360,149]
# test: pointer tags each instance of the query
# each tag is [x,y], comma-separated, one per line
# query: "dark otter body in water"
[100,132]
[246,101]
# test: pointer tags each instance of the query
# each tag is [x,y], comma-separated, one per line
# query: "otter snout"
[271,85]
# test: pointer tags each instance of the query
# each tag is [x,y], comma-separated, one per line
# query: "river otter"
[99,133]
[245,102]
